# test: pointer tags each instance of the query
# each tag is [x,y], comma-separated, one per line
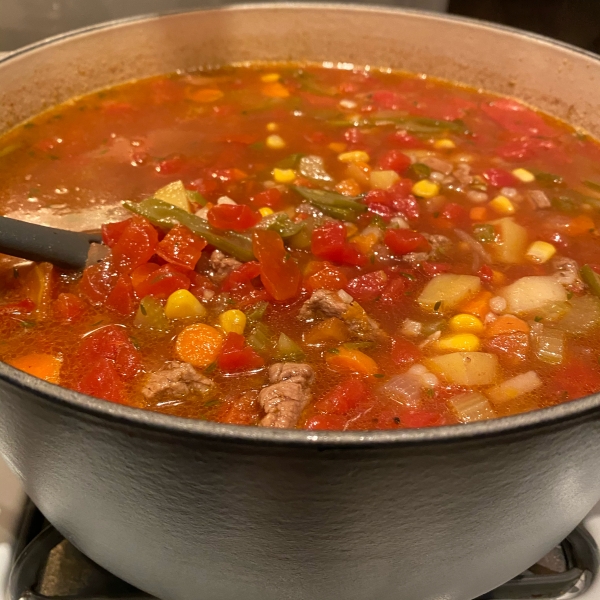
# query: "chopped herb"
[569,295]
[210,368]
[212,402]
[98,323]
[8,149]
[53,157]
[27,324]
[143,309]
[334,351]
[592,185]
[135,343]
[408,276]
[419,171]
[430,392]
[397,420]
[564,204]
[484,233]
[15,272]
[436,215]
[29,125]
[437,306]
[379,375]
[538,319]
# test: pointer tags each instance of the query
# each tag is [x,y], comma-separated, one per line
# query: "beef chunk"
[440,244]
[222,265]
[175,380]
[287,395]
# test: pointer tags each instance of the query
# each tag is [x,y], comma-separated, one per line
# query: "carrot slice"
[330,330]
[506,324]
[199,345]
[44,366]
[479,305]
[350,359]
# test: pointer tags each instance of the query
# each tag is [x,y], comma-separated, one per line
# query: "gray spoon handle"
[67,249]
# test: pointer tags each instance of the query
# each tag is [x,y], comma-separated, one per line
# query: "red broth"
[392,251]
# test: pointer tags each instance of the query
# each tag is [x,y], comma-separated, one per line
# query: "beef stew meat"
[309,246]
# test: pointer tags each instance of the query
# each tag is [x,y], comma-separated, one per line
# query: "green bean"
[592,279]
[165,215]
[407,122]
[333,204]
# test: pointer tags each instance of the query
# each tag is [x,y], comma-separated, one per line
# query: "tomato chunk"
[162,282]
[111,232]
[344,397]
[237,217]
[271,198]
[322,275]
[403,241]
[279,272]
[103,381]
[181,247]
[368,286]
[23,307]
[404,352]
[122,297]
[68,307]
[395,160]
[329,242]
[242,276]
[235,356]
[97,281]
[135,246]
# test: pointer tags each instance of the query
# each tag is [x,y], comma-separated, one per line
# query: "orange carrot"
[479,305]
[580,225]
[44,366]
[506,324]
[478,213]
[330,330]
[348,187]
[206,95]
[199,344]
[275,90]
[350,359]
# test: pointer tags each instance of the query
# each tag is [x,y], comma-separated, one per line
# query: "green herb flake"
[15,273]
[210,368]
[430,392]
[27,324]
[334,351]
[538,319]
[143,309]
[379,375]
[437,306]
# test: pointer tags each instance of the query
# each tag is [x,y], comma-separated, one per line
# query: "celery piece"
[471,406]
[289,162]
[257,312]
[583,316]
[418,171]
[151,315]
[591,278]
[549,346]
[335,205]
[196,197]
[287,349]
[165,215]
[260,338]
[564,204]
[484,233]
[174,193]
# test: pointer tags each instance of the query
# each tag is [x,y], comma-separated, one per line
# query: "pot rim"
[158,422]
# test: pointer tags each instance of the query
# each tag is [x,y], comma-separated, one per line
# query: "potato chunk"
[465,368]
[512,241]
[447,291]
[529,294]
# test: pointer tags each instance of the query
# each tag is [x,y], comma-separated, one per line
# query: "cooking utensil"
[190,509]
[67,249]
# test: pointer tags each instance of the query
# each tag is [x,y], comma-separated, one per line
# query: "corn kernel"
[272,127]
[540,252]
[444,144]
[337,147]
[502,205]
[265,211]
[284,175]
[354,156]
[351,229]
[275,142]
[425,189]
[498,278]
[524,175]
[184,305]
[465,323]
[460,342]
[365,242]
[270,77]
[233,321]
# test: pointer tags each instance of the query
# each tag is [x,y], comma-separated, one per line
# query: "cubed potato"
[465,368]
[447,291]
[530,294]
[583,316]
[512,241]
[514,387]
[174,193]
[471,406]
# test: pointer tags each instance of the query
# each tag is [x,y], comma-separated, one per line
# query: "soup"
[307,246]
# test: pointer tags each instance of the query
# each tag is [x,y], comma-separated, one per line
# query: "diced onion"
[550,346]
[404,389]
[345,296]
[471,406]
[411,328]
[513,388]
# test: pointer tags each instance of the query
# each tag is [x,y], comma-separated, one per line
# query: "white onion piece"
[96,254]
[471,406]
[477,248]
[404,389]
[514,387]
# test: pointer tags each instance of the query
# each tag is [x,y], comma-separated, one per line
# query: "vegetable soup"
[305,246]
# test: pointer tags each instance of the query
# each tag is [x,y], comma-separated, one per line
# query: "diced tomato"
[453,215]
[279,272]
[110,343]
[378,197]
[242,276]
[405,140]
[485,273]
[403,201]
[122,297]
[23,307]
[322,275]
[381,210]
[430,269]
[102,381]
[354,137]
[326,422]
[511,348]
[142,272]
[237,217]
[525,148]
[199,283]
[243,410]
[97,281]
[394,292]
[344,397]
[404,352]
[403,241]
[368,286]
[171,166]
[500,178]
[68,307]
[111,232]
[135,246]
[577,379]
[181,247]
[235,356]
[329,242]
[395,160]
[421,418]
[162,282]
[515,117]
[271,198]
[206,185]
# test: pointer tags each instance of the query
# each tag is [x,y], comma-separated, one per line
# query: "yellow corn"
[275,142]
[284,175]
[270,77]
[524,175]
[233,321]
[460,342]
[354,157]
[383,180]
[351,229]
[272,127]
[337,147]
[425,189]
[465,323]
[444,144]
[502,205]
[265,211]
[540,252]
[184,305]
[365,242]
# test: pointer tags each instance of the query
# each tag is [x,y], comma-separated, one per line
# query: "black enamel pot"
[191,510]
